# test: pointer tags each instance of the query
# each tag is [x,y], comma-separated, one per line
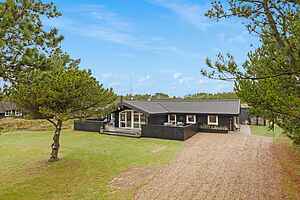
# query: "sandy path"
[217,166]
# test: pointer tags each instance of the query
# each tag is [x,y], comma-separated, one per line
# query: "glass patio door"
[128,119]
[131,119]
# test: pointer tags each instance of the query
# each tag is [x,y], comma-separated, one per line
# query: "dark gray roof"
[207,106]
[6,105]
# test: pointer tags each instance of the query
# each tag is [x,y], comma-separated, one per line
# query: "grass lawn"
[90,161]
[265,131]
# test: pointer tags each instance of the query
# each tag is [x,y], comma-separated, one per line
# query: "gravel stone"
[218,166]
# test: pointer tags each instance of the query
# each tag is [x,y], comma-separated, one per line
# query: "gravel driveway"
[217,166]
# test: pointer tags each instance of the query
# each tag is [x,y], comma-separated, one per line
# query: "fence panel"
[88,125]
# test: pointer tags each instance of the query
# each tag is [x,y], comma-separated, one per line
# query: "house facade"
[247,118]
[174,119]
[9,109]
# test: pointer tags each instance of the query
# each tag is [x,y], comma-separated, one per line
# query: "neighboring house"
[9,109]
[244,114]
[247,118]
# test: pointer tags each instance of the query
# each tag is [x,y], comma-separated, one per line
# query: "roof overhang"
[154,108]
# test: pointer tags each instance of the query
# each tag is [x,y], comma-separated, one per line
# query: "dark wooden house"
[174,119]
[247,118]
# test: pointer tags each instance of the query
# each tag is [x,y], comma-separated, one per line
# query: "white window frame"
[139,122]
[169,118]
[122,121]
[190,122]
[213,123]
[8,113]
[18,113]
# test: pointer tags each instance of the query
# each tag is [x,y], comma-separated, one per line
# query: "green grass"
[265,131]
[89,162]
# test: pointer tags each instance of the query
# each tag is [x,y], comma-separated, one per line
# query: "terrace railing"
[213,129]
[169,132]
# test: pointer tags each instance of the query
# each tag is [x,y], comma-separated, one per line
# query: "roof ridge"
[186,100]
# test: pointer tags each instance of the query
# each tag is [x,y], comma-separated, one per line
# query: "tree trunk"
[55,145]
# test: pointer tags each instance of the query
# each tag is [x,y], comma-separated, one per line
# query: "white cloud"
[200,82]
[144,79]
[129,40]
[182,79]
[238,39]
[97,22]
[177,75]
[114,20]
[106,75]
[115,84]
[60,23]
[233,37]
[191,13]
[186,80]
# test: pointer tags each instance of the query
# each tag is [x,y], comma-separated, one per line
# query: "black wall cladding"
[169,132]
[88,125]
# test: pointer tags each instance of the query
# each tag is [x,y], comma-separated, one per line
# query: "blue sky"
[148,46]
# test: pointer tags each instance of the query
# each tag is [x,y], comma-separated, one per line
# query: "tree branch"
[52,122]
[272,23]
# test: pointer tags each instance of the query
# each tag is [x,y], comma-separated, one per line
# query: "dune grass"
[15,124]
[89,161]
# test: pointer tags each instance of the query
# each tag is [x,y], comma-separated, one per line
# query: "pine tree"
[62,93]
[269,80]
[24,42]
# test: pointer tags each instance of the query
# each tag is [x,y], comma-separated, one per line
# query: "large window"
[9,113]
[136,120]
[18,113]
[172,118]
[128,118]
[212,120]
[122,119]
[143,118]
[131,119]
[191,119]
